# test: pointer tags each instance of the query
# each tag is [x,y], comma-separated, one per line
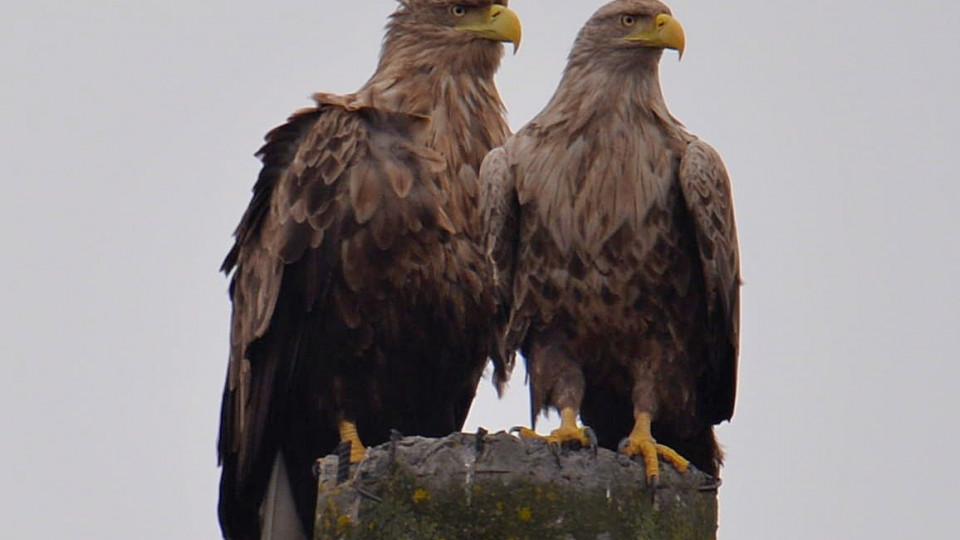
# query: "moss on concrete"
[397,500]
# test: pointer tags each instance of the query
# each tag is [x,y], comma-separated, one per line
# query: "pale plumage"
[616,255]
[361,297]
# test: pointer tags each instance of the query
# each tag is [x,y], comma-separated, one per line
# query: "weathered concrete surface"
[499,486]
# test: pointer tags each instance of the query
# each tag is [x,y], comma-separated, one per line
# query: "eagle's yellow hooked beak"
[499,23]
[666,33]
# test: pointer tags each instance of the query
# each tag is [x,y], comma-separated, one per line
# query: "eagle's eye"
[458,10]
[628,20]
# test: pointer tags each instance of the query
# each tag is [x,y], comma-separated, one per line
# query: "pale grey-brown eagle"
[616,253]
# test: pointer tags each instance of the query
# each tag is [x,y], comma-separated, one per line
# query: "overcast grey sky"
[126,138]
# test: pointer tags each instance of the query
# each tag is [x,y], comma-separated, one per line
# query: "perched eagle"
[613,235]
[361,291]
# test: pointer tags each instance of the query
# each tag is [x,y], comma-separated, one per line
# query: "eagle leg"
[568,432]
[641,442]
[348,433]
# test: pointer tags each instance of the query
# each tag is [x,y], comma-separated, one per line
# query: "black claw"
[516,429]
[557,451]
[712,484]
[478,442]
[654,481]
[623,444]
[592,435]
[395,437]
[343,465]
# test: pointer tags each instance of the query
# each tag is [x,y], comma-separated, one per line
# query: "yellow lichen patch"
[329,513]
[420,495]
[525,514]
[343,525]
[499,505]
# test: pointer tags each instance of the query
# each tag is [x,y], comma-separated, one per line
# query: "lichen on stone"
[432,489]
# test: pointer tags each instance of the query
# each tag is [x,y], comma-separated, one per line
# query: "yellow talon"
[527,433]
[567,432]
[640,442]
[348,433]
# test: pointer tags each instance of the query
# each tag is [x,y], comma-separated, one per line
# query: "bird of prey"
[361,291]
[617,263]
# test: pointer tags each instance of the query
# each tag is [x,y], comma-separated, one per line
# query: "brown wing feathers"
[709,199]
[317,252]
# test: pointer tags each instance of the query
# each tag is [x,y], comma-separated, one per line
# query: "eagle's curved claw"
[592,436]
[349,435]
[525,433]
[582,437]
[567,435]
[651,452]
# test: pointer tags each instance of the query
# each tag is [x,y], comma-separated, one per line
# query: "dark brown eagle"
[613,234]
[360,287]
